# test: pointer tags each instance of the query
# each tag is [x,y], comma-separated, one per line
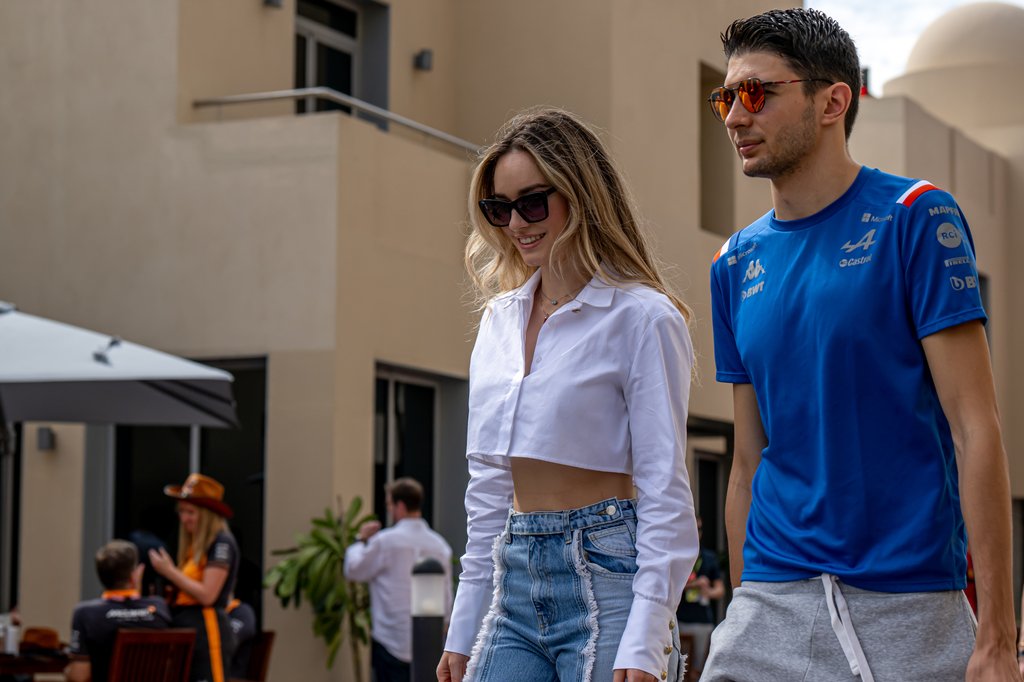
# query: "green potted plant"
[314,569]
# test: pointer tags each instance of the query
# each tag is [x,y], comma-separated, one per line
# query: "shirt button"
[664,675]
[610,509]
[668,650]
[671,625]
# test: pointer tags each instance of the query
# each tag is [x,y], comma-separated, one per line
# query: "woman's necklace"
[555,301]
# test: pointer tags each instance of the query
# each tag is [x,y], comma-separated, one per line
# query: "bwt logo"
[754,270]
[961,283]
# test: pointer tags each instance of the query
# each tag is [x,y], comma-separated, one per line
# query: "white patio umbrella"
[50,371]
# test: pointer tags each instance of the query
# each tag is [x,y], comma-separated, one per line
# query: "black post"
[427,619]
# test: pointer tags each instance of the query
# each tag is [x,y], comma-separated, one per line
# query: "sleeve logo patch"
[961,283]
[941,210]
[948,235]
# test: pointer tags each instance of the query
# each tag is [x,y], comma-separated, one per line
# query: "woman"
[579,384]
[205,574]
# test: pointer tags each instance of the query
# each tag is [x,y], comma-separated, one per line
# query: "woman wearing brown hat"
[204,575]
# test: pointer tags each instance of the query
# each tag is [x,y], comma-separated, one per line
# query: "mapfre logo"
[754,270]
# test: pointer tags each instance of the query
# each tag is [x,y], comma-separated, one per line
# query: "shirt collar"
[598,292]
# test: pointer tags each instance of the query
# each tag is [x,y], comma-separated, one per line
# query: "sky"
[886,30]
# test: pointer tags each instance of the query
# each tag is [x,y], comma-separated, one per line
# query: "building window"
[405,439]
[326,51]
[717,163]
[341,45]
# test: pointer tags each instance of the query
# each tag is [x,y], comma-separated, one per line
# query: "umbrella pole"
[7,446]
[193,450]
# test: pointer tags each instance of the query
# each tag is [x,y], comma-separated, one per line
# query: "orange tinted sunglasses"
[750,92]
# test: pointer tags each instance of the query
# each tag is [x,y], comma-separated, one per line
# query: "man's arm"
[363,558]
[749,442]
[961,369]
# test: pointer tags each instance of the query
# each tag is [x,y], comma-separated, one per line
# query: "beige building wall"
[233,47]
[977,47]
[51,539]
[329,246]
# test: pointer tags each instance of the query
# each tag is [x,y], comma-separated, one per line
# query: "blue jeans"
[563,588]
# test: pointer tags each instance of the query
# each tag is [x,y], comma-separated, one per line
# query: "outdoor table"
[32,663]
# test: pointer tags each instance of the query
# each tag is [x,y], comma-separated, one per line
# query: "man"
[385,559]
[95,623]
[694,613]
[867,438]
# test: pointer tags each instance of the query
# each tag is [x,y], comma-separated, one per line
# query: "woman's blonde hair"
[195,546]
[602,236]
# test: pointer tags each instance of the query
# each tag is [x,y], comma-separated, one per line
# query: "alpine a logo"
[863,244]
[754,270]
[866,242]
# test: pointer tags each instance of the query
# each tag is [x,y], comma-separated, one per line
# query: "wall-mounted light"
[423,60]
[273,3]
[46,439]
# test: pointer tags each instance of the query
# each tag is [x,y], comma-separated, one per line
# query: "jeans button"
[610,509]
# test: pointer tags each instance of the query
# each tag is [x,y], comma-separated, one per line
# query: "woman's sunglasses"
[532,208]
[750,93]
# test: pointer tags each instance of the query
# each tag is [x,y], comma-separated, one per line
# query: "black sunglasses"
[532,208]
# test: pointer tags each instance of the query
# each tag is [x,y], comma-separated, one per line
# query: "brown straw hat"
[202,491]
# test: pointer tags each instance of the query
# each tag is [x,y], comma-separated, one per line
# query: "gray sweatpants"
[778,632]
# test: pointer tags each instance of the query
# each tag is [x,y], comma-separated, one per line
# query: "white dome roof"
[971,35]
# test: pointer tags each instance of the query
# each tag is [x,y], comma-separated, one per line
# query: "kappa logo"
[754,270]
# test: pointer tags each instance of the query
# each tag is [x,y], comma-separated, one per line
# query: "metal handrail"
[339,98]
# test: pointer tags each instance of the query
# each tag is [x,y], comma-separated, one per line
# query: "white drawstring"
[843,627]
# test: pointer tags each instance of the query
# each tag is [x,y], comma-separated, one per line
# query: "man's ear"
[137,576]
[839,98]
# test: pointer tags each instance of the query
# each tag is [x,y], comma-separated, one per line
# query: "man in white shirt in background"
[385,559]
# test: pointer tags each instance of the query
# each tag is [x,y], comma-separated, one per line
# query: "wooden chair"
[152,655]
[259,657]
[687,645]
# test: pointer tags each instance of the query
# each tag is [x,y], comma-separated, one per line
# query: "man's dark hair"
[408,491]
[115,562]
[812,43]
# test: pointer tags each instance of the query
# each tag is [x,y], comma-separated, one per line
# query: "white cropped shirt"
[607,391]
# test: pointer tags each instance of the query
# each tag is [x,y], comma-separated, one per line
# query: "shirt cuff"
[471,604]
[647,640]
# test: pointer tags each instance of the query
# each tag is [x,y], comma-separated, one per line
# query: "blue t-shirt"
[824,317]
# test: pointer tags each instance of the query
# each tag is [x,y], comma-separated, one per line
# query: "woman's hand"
[452,667]
[161,561]
[632,675]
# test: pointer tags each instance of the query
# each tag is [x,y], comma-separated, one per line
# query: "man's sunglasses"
[750,93]
[532,208]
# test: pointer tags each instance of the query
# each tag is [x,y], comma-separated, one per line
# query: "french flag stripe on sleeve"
[916,190]
[721,251]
